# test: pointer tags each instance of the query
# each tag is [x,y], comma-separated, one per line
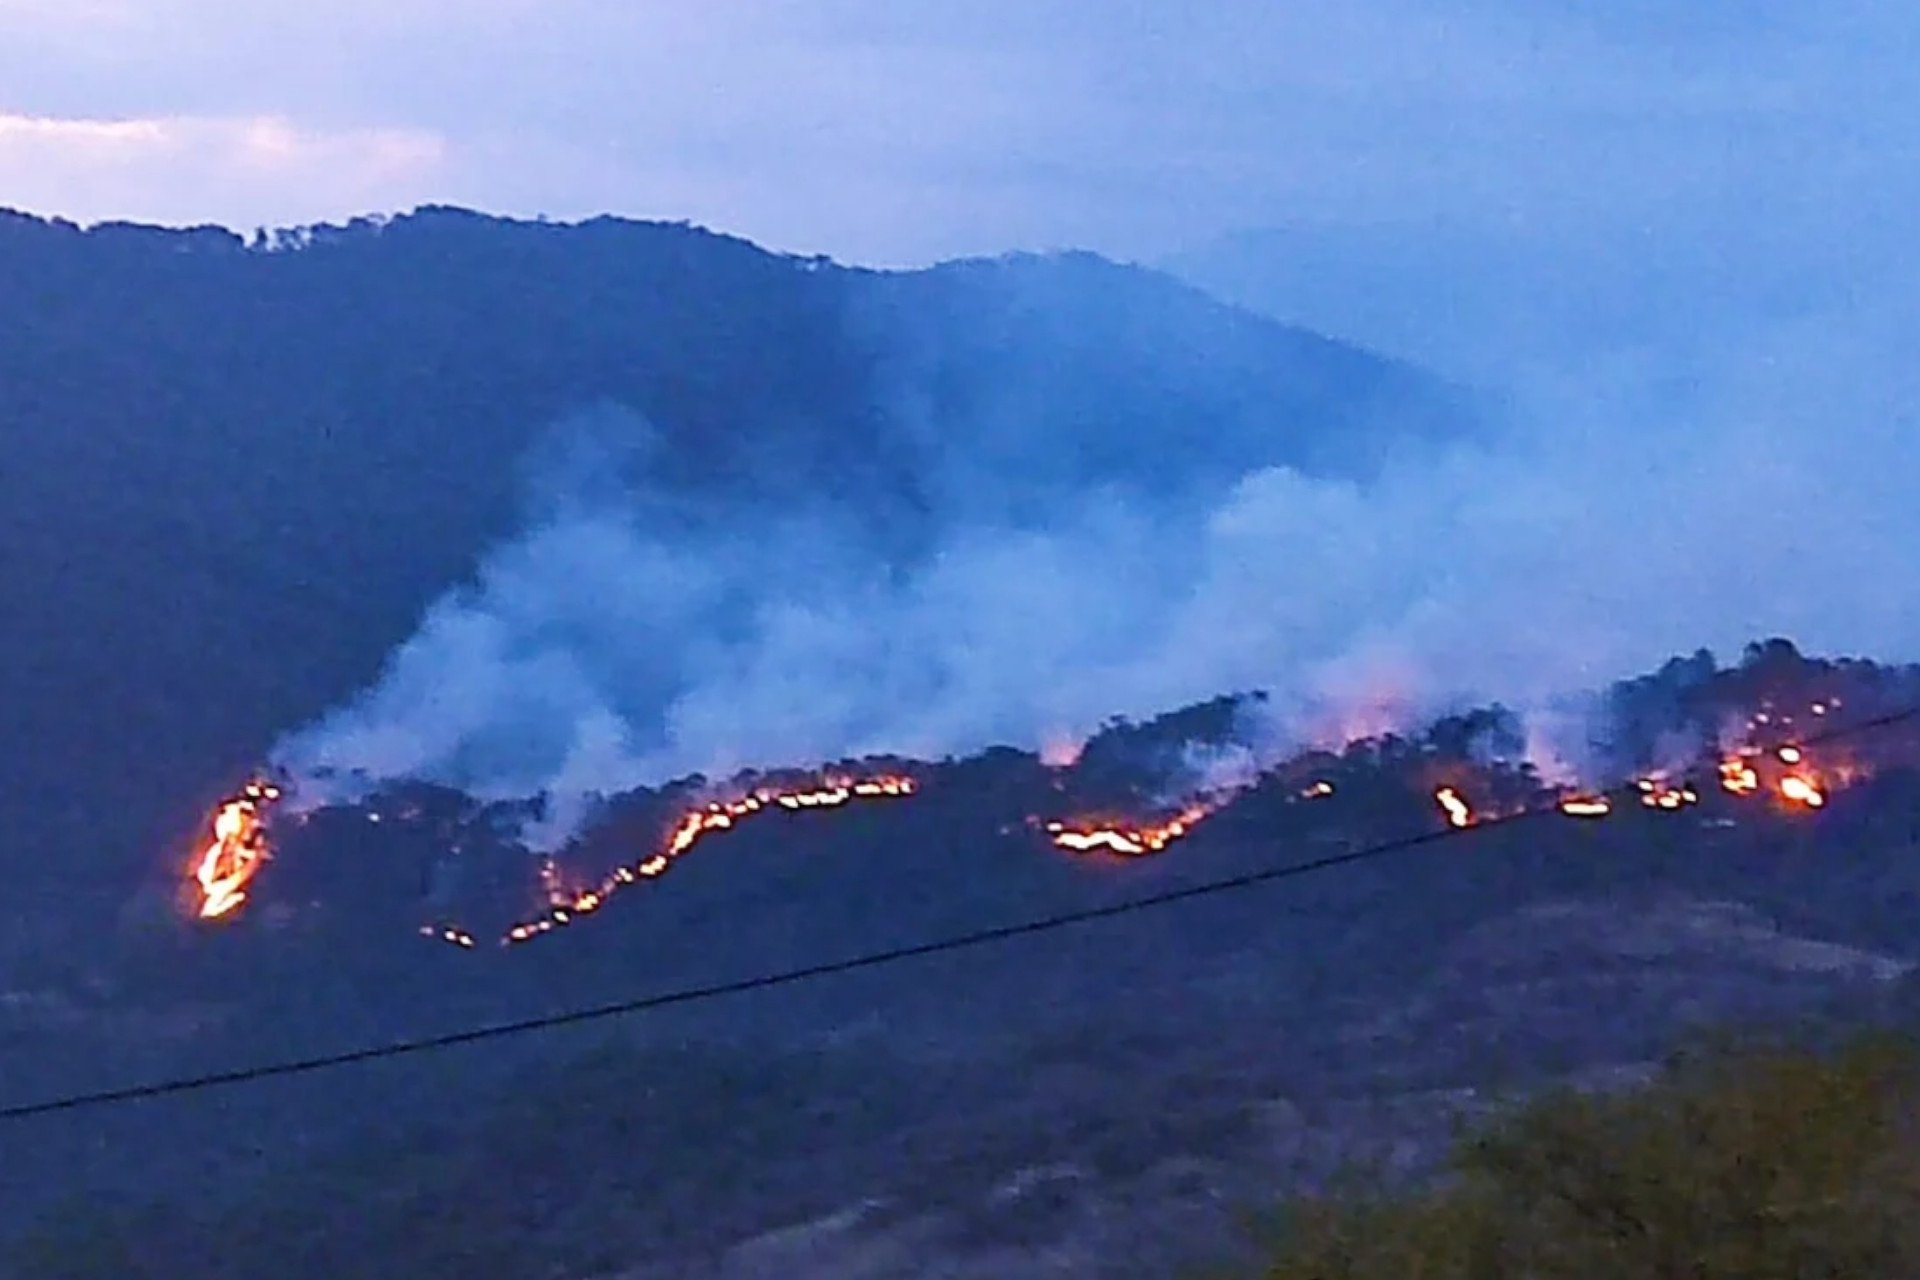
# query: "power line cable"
[812,972]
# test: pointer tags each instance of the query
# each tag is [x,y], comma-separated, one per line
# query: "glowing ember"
[1459,813]
[1317,790]
[235,854]
[1790,755]
[566,906]
[1083,837]
[449,934]
[1738,777]
[1586,806]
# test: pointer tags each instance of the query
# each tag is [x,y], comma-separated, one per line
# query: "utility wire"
[809,973]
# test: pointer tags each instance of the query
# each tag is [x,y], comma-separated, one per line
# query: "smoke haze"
[1622,516]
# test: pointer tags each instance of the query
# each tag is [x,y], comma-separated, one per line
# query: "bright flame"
[1586,806]
[1459,813]
[1131,841]
[1803,790]
[235,854]
[567,906]
[1793,778]
[1656,794]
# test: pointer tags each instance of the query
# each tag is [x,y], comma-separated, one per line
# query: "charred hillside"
[236,472]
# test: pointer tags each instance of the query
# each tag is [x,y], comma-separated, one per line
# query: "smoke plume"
[1623,516]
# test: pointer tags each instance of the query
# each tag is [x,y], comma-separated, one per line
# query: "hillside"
[235,474]
[1099,1100]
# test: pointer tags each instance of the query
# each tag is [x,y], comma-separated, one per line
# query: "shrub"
[1743,1164]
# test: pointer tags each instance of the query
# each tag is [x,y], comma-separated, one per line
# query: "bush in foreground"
[1747,1165]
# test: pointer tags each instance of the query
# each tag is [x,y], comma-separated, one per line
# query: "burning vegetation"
[1586,806]
[566,906]
[1788,774]
[1767,740]
[235,852]
[1659,793]
[1459,812]
[1125,839]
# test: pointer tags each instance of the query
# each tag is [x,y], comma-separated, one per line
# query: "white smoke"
[610,646]
[1214,770]
[1558,743]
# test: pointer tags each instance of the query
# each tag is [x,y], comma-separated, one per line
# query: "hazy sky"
[1679,231]
[895,131]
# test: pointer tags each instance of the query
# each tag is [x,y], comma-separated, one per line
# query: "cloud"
[82,133]
[910,131]
[190,170]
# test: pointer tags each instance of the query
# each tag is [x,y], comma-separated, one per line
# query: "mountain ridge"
[235,477]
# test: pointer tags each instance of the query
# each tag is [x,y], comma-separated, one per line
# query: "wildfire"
[566,906]
[1131,841]
[1752,763]
[1738,777]
[236,852]
[1800,789]
[1459,812]
[1788,774]
[1656,794]
[1586,806]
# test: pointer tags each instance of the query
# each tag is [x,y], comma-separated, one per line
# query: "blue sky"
[904,131]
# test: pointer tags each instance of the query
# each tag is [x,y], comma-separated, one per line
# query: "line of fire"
[1772,757]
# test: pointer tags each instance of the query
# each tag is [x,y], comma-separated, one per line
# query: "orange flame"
[235,854]
[567,906]
[1130,841]
[1738,777]
[1788,774]
[1656,794]
[1800,789]
[1459,812]
[1586,806]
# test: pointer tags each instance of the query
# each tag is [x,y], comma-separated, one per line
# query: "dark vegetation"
[1735,1165]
